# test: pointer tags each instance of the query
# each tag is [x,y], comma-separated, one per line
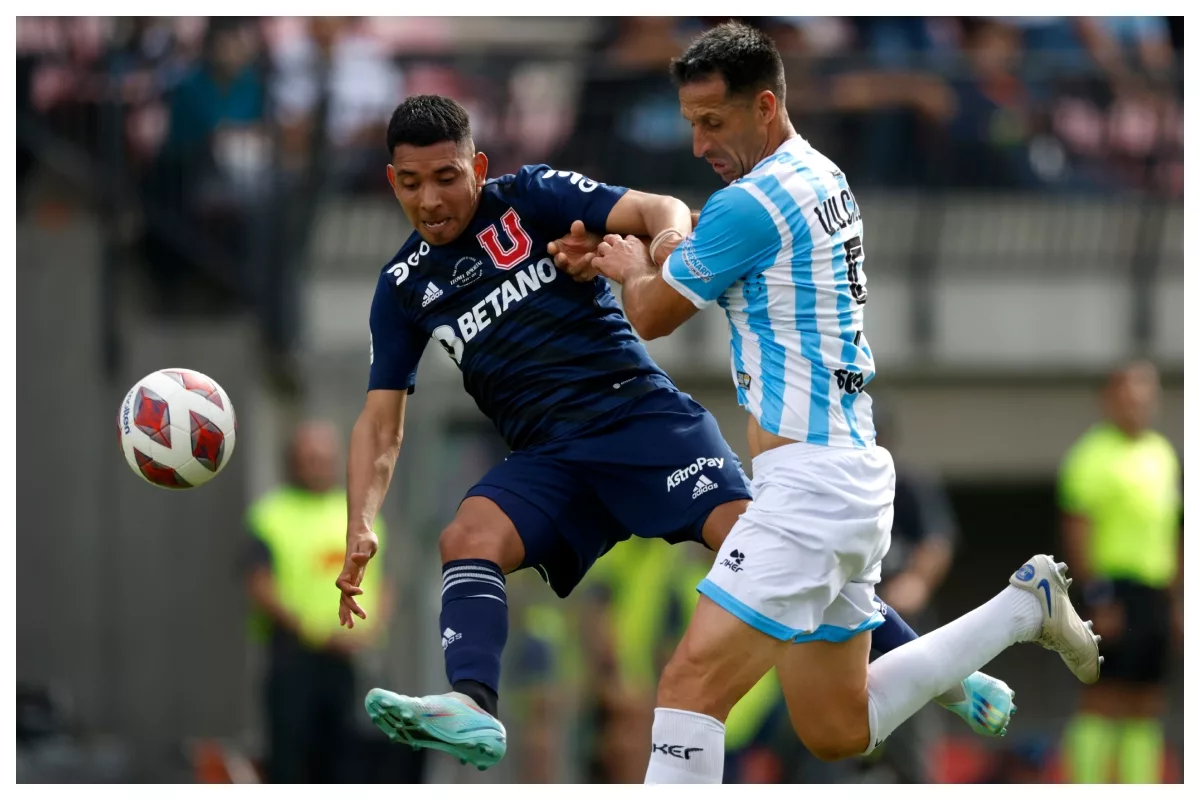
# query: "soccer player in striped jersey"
[781,250]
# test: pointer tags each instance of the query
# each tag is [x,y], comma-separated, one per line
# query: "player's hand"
[907,593]
[360,549]
[574,252]
[619,258]
[1108,620]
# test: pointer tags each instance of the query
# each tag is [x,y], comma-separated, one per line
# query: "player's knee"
[481,530]
[835,750]
[461,539]
[833,735]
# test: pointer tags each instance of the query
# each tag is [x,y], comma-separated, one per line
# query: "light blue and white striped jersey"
[781,251]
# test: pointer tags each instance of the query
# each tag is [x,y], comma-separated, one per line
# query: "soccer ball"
[177,428]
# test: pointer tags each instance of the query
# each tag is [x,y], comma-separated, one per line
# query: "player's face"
[315,457]
[730,132]
[1133,398]
[438,187]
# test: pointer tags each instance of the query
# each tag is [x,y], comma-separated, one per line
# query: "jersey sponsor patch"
[692,262]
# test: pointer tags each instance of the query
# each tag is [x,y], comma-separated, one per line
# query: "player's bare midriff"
[761,441]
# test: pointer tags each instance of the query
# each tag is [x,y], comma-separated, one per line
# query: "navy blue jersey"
[540,353]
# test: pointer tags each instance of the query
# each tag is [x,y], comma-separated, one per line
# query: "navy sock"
[474,625]
[892,633]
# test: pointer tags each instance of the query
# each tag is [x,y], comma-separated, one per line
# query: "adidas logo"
[703,484]
[432,292]
[449,637]
[734,562]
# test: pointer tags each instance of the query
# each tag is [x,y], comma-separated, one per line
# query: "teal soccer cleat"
[451,722]
[983,702]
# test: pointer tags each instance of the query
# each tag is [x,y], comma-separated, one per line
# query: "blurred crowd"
[1038,102]
[219,138]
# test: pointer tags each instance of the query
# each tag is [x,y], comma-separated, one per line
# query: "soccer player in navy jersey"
[604,446]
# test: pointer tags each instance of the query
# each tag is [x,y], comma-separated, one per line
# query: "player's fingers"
[348,583]
[354,607]
[552,248]
[361,559]
[578,229]
[612,239]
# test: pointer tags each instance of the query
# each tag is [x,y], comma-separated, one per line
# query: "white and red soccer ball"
[177,428]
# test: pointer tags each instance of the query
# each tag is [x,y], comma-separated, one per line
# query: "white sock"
[686,748]
[902,681]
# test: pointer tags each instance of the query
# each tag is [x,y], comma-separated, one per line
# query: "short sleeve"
[396,343]
[1074,481]
[561,197]
[734,236]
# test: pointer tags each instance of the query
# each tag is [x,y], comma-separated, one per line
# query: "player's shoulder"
[738,204]
[400,266]
[541,178]
[263,507]
[1093,446]
[1163,445]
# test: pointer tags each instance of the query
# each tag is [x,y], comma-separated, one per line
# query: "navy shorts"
[653,468]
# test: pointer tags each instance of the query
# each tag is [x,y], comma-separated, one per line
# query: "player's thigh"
[664,469]
[718,660]
[508,511]
[553,521]
[825,686]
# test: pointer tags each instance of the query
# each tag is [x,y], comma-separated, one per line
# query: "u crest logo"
[519,249]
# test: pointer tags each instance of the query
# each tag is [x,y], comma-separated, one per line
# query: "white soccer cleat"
[1063,631]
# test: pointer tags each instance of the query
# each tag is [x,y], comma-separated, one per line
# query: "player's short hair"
[425,119]
[745,57]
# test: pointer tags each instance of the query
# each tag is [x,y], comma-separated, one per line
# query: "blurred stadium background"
[210,193]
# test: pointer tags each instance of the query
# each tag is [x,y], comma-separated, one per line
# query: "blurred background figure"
[924,533]
[212,170]
[298,535]
[1120,496]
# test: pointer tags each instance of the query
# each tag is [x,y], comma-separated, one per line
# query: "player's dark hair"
[426,119]
[745,57]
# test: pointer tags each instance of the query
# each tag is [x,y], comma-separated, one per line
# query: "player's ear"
[391,173]
[480,165]
[768,105]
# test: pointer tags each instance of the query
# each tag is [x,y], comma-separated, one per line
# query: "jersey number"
[518,251]
[454,346]
[854,255]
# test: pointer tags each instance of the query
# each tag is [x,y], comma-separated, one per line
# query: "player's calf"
[719,659]
[478,548]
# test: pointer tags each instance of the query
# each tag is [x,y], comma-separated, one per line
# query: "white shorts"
[802,563]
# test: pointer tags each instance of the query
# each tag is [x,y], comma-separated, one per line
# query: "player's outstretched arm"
[374,447]
[665,220]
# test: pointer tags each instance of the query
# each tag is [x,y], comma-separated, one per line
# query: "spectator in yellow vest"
[1119,491]
[298,542]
